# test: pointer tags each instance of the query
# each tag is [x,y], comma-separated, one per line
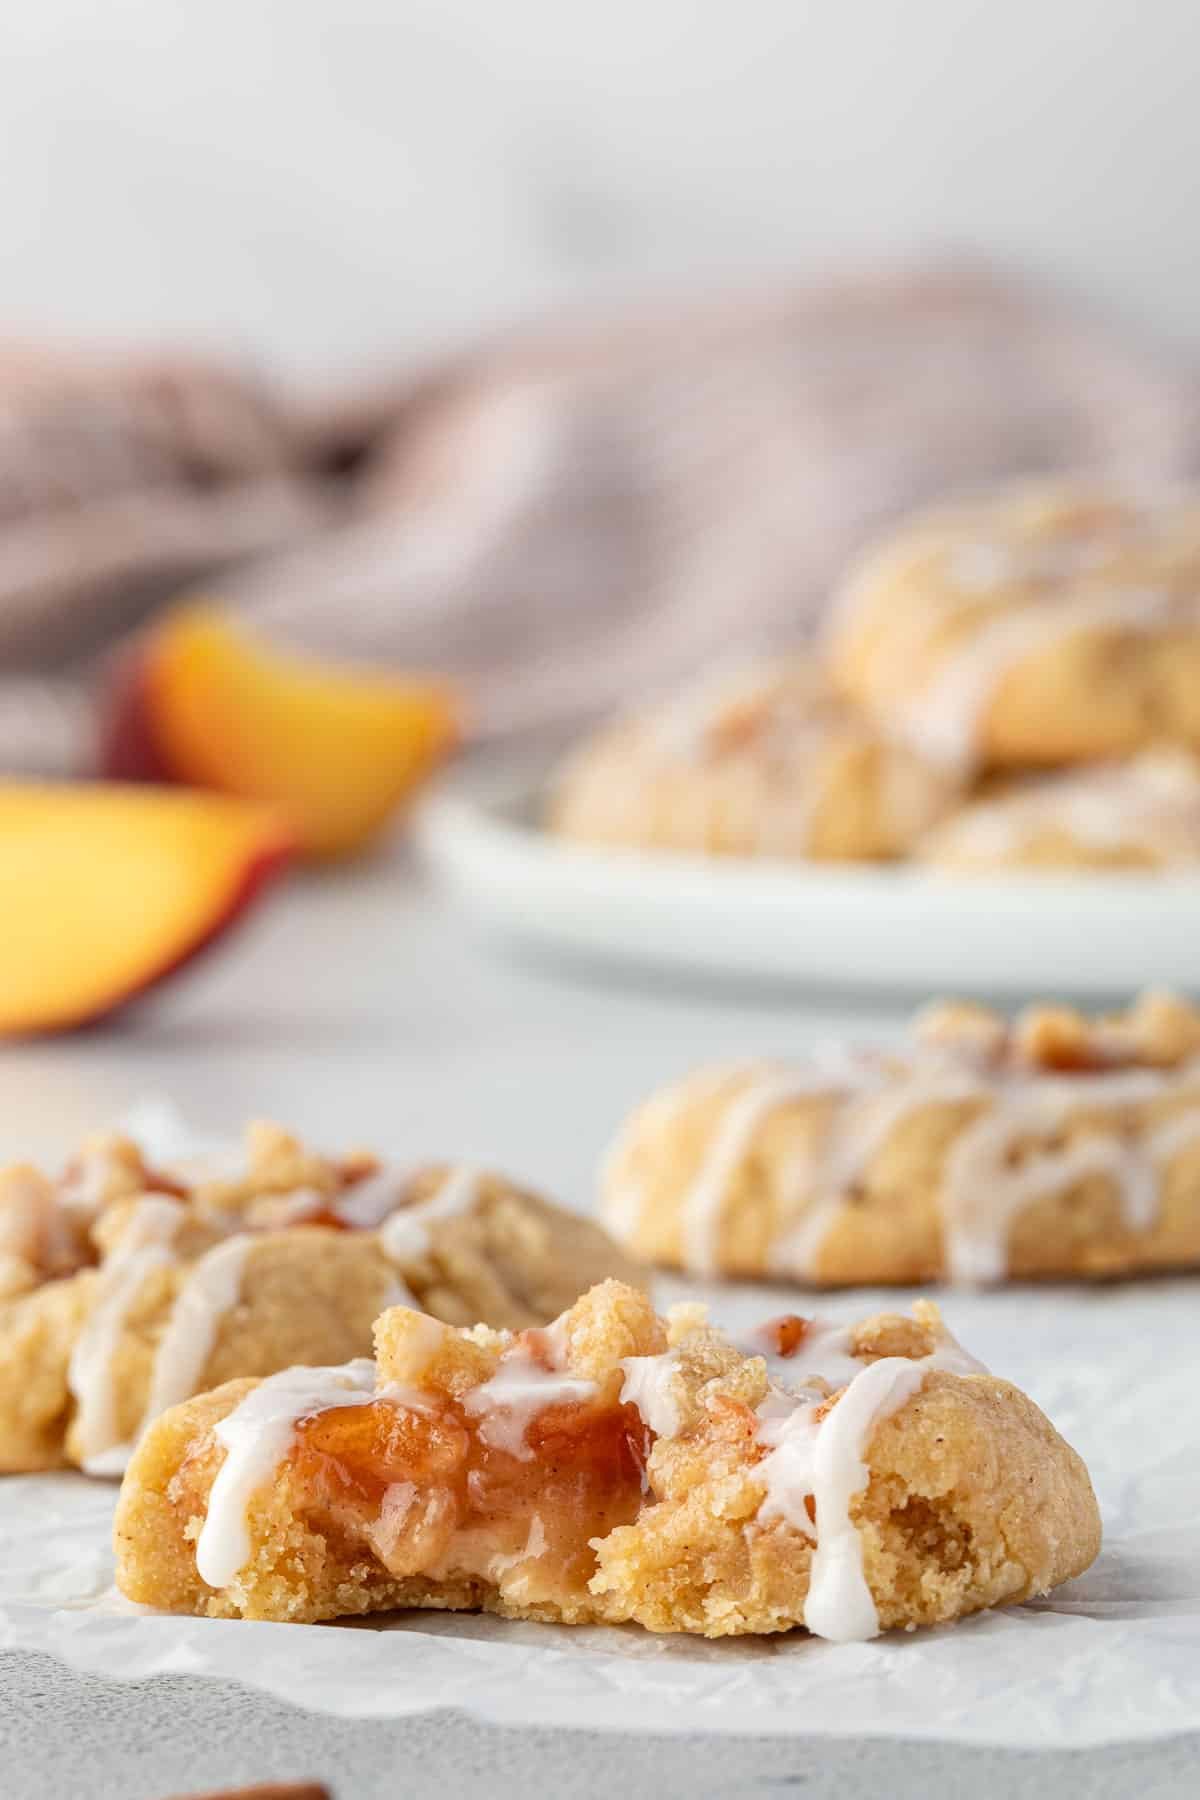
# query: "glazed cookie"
[614,1467]
[126,1288]
[975,1151]
[1045,625]
[1140,814]
[766,762]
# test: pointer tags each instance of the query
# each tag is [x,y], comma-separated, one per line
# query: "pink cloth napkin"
[565,518]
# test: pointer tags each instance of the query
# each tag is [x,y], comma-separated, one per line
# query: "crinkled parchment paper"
[1115,1655]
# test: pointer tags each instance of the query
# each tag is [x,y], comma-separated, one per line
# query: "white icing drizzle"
[405,1233]
[163,1135]
[650,1386]
[1150,803]
[683,727]
[982,1193]
[622,1199]
[36,1234]
[840,1605]
[213,1287]
[941,721]
[515,1395]
[1174,1135]
[824,1459]
[256,1436]
[700,1211]
[366,1204]
[856,1133]
[145,1245]
[823,1354]
[275,1212]
[788,1425]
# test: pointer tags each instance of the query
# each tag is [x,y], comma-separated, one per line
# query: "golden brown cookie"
[765,762]
[973,1152]
[614,1467]
[127,1289]
[1139,814]
[1047,624]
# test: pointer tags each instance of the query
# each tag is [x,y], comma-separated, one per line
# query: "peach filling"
[431,1497]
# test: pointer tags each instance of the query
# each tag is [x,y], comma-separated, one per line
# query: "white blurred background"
[320,181]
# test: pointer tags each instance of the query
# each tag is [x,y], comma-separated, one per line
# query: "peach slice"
[336,749]
[105,890]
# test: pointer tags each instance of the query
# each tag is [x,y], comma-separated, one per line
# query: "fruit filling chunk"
[510,1479]
[486,1458]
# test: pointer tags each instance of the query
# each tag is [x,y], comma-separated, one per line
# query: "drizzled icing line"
[816,1452]
[405,1233]
[867,1116]
[831,1071]
[212,1287]
[824,1458]
[700,1217]
[823,1355]
[622,1199]
[147,1244]
[520,1390]
[212,1290]
[942,720]
[256,1436]
[649,1385]
[1150,804]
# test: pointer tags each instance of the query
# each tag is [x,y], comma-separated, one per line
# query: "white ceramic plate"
[804,925]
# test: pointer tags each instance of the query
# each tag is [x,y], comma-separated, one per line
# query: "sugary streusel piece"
[962,1024]
[1160,1029]
[1056,1037]
[278,1164]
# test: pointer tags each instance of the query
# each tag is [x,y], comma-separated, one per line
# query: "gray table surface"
[362,1010]
[64,1736]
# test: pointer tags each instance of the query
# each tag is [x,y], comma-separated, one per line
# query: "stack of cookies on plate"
[1012,681]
